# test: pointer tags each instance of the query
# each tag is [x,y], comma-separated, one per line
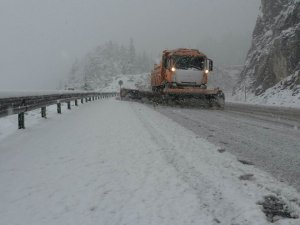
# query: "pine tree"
[105,62]
[131,58]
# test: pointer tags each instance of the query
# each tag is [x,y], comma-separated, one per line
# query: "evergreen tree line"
[105,62]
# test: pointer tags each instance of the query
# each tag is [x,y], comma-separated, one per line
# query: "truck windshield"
[188,62]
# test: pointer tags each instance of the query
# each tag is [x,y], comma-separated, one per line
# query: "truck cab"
[185,67]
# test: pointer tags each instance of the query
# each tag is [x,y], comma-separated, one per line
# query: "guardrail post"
[76,102]
[59,108]
[21,120]
[81,101]
[86,99]
[43,112]
[69,105]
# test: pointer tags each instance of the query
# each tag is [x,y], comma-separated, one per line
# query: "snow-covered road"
[114,162]
[269,140]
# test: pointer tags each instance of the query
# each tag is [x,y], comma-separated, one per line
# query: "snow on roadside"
[285,93]
[9,124]
[272,97]
[12,94]
[114,162]
[282,98]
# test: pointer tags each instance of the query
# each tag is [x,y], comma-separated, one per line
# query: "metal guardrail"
[20,105]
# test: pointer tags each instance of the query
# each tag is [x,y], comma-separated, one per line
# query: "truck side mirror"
[211,65]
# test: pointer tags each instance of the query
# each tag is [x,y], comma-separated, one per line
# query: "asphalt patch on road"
[276,209]
[248,176]
[245,162]
[221,150]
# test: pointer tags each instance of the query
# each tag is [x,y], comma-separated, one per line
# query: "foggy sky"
[40,39]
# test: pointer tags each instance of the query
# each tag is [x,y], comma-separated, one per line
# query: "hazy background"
[40,39]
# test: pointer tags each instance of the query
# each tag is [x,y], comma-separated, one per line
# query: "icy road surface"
[113,162]
[269,140]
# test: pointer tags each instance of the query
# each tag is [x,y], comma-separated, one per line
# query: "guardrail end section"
[43,112]
[69,105]
[59,108]
[21,120]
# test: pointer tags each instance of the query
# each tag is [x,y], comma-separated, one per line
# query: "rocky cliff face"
[274,57]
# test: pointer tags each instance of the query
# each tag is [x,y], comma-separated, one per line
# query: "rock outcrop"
[274,57]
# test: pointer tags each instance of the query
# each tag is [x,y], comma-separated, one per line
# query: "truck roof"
[184,52]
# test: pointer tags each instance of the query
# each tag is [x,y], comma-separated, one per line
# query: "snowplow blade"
[191,91]
[206,98]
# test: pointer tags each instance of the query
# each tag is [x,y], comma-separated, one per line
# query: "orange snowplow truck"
[182,75]
[182,71]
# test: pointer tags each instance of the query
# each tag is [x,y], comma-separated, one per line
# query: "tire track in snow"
[211,198]
[269,143]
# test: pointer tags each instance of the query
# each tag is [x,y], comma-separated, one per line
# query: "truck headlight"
[173,69]
[206,71]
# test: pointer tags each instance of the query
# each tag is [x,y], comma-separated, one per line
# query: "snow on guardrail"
[16,103]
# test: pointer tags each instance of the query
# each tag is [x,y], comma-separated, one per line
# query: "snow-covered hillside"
[225,77]
[138,81]
[101,65]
